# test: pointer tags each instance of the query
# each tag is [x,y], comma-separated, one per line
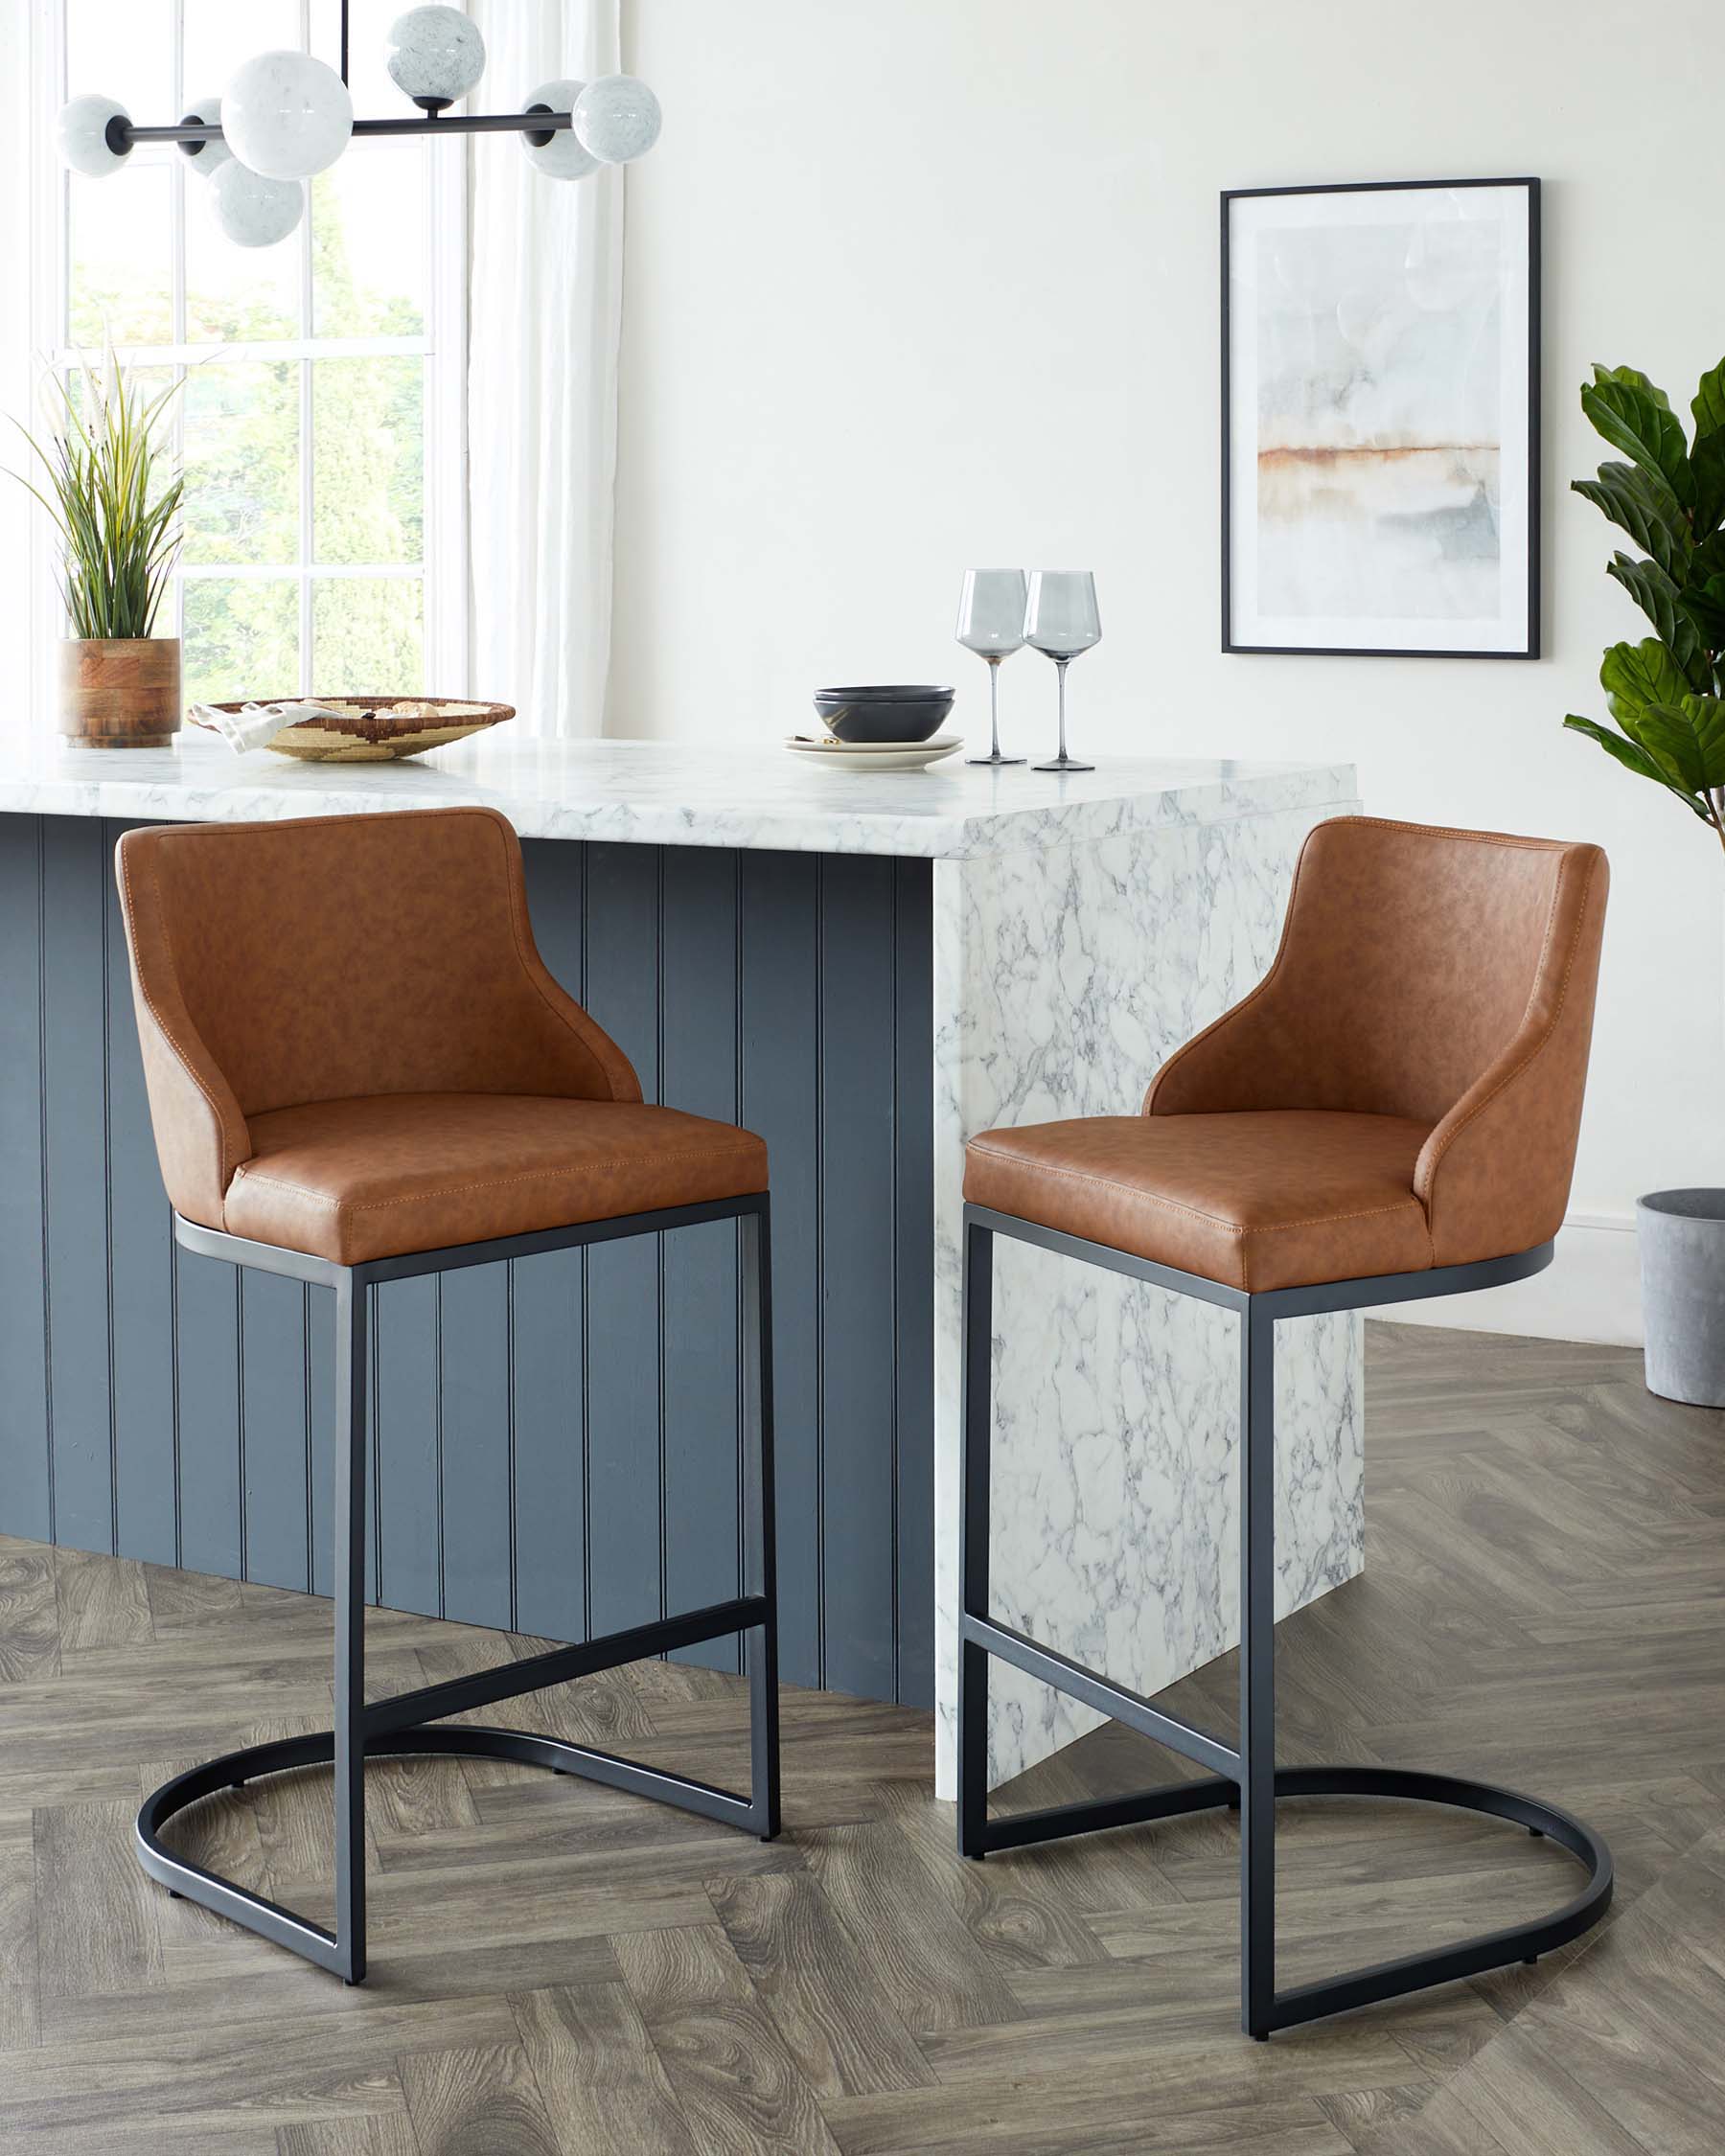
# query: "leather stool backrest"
[1446,976]
[329,957]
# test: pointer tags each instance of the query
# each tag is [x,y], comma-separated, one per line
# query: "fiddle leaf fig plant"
[1666,693]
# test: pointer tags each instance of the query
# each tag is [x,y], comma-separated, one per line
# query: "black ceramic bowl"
[895,712]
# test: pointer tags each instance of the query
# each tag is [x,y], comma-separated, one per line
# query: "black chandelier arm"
[123,136]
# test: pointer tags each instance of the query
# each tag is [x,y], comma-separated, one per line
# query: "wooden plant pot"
[120,692]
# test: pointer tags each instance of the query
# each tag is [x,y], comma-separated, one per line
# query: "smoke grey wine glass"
[1060,621]
[991,622]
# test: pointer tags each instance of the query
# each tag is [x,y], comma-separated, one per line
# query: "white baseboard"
[1590,1291]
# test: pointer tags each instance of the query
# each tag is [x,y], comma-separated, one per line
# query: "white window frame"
[445,568]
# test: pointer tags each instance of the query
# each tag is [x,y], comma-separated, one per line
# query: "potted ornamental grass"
[1667,694]
[109,485]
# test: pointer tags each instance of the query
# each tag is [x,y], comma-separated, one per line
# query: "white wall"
[918,284]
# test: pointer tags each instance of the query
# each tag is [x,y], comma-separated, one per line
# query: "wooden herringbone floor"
[558,1968]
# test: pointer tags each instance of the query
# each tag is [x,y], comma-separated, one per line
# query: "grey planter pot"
[1681,1234]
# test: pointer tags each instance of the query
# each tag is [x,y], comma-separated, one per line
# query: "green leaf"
[1667,736]
[1633,758]
[1636,379]
[1704,606]
[1660,600]
[1709,405]
[1636,676]
[1708,560]
[1645,511]
[1707,461]
[1635,418]
[1687,739]
[1702,595]
[1706,716]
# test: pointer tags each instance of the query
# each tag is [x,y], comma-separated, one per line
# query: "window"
[319,416]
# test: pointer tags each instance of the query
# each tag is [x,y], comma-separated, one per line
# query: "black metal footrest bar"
[1382,1980]
[285,1927]
[509,1680]
[1112,1700]
[1023,1830]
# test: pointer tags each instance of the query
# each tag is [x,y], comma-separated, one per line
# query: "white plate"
[878,755]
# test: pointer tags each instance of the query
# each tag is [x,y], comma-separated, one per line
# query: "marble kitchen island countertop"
[668,794]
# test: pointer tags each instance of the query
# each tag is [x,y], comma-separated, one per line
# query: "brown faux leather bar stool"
[1392,1114]
[359,1071]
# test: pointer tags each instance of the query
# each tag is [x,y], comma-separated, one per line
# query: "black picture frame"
[1531,646]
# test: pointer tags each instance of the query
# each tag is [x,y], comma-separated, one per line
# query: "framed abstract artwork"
[1380,419]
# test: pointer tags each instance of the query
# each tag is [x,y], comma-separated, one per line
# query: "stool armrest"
[1494,1175]
[201,1130]
[1239,1062]
[1248,1058]
[577,1040]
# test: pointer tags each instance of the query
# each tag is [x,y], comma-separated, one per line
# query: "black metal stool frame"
[1247,1778]
[404,1723]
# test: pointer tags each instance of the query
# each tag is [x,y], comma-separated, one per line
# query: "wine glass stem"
[994,708]
[1060,667]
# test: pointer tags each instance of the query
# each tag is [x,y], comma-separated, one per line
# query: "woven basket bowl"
[380,729]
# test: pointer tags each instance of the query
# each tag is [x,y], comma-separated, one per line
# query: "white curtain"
[544,307]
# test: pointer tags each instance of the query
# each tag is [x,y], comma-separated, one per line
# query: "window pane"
[366,636]
[369,467]
[242,436]
[219,36]
[121,275]
[143,385]
[241,639]
[124,49]
[368,242]
[375,96]
[119,248]
[237,295]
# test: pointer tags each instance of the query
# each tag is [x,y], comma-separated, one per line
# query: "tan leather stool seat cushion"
[374,1176]
[1277,1198]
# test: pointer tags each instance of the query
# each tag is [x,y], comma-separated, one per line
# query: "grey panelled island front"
[865,970]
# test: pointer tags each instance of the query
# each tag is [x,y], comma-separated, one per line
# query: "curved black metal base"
[417,1721]
[1384,1980]
[1243,1777]
[233,1769]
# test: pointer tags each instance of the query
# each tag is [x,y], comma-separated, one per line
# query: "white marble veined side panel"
[1062,980]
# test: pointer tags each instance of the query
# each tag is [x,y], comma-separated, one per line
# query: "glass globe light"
[559,153]
[251,209]
[617,117]
[206,157]
[82,134]
[436,55]
[287,115]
